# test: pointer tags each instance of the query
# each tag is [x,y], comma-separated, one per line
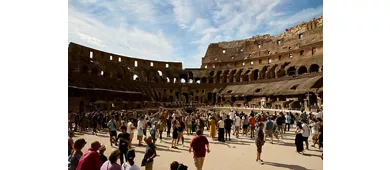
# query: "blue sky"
[179,30]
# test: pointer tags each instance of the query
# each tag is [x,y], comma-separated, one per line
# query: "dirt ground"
[235,154]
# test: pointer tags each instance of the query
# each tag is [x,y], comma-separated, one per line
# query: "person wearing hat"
[112,159]
[150,154]
[75,157]
[91,159]
[130,164]
[103,158]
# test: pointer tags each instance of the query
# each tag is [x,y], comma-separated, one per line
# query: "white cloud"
[131,42]
[183,10]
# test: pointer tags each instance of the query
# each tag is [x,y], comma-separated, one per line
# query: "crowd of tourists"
[151,127]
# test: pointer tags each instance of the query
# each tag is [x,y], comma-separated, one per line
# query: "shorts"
[304,138]
[253,128]
[227,130]
[259,146]
[113,133]
[269,133]
[139,137]
[245,126]
[236,127]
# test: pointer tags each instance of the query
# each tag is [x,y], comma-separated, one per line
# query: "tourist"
[91,159]
[320,134]
[111,164]
[188,120]
[303,116]
[245,125]
[298,138]
[193,124]
[269,129]
[177,166]
[228,127]
[94,123]
[124,140]
[201,124]
[252,122]
[160,127]
[130,164]
[180,131]
[112,127]
[280,120]
[169,123]
[103,158]
[315,126]
[70,143]
[212,123]
[198,145]
[140,134]
[75,157]
[221,128]
[175,133]
[259,141]
[237,124]
[287,122]
[305,133]
[130,129]
[150,154]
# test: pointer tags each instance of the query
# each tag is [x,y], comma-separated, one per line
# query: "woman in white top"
[130,129]
[130,164]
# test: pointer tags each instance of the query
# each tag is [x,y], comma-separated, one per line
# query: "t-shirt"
[252,121]
[221,124]
[141,124]
[109,166]
[231,115]
[269,125]
[245,121]
[112,125]
[123,144]
[237,121]
[127,166]
[182,127]
[129,130]
[198,145]
[288,119]
[306,132]
[228,123]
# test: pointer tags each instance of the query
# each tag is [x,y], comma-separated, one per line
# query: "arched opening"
[168,80]
[271,72]
[94,71]
[170,98]
[302,70]
[281,73]
[190,75]
[197,80]
[160,73]
[174,80]
[225,75]
[291,71]
[209,96]
[218,76]
[190,81]
[238,75]
[245,77]
[204,80]
[255,74]
[182,80]
[196,98]
[212,73]
[185,97]
[263,71]
[231,75]
[314,68]
[119,76]
[135,77]
[211,80]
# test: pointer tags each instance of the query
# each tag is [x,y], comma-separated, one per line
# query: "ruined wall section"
[234,53]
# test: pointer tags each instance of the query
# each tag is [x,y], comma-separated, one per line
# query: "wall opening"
[102,73]
[243,63]
[110,57]
[135,77]
[258,46]
[159,73]
[216,59]
[278,42]
[302,70]
[280,57]
[205,66]
[314,68]
[182,80]
[223,51]
[119,59]
[290,55]
[174,80]
[229,91]
[269,60]
[90,54]
[213,65]
[166,65]
[300,36]
[301,52]
[291,71]
[136,63]
[168,80]
[313,50]
[294,87]
[190,81]
[257,90]
[251,62]
[151,64]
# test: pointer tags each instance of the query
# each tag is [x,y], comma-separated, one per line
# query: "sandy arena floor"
[237,154]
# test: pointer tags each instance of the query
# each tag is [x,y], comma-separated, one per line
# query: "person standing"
[201,124]
[175,133]
[221,128]
[130,129]
[237,124]
[305,133]
[91,159]
[169,123]
[259,141]
[111,163]
[124,140]
[188,121]
[75,157]
[130,164]
[299,138]
[198,144]
[245,125]
[269,129]
[252,122]
[228,127]
[180,131]
[112,127]
[212,127]
[150,154]
[287,122]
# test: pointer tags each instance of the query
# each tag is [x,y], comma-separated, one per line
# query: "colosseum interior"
[281,71]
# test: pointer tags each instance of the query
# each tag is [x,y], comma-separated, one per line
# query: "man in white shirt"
[231,115]
[237,124]
[221,130]
[130,130]
[306,133]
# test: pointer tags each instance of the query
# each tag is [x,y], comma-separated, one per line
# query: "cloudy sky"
[179,30]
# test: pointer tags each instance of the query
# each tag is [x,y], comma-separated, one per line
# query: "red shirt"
[90,161]
[252,121]
[198,144]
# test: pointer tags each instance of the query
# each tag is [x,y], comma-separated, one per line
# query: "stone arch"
[218,76]
[168,80]
[197,80]
[263,71]
[225,75]
[212,73]
[245,77]
[314,68]
[135,77]
[211,80]
[231,76]
[238,75]
[271,72]
[190,75]
[302,70]
[119,76]
[292,71]
[281,73]
[255,74]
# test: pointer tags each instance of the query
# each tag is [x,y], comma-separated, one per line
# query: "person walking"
[169,123]
[199,145]
[111,163]
[150,154]
[259,141]
[269,129]
[175,133]
[130,130]
[287,122]
[228,127]
[252,122]
[305,133]
[212,127]
[124,140]
[112,127]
